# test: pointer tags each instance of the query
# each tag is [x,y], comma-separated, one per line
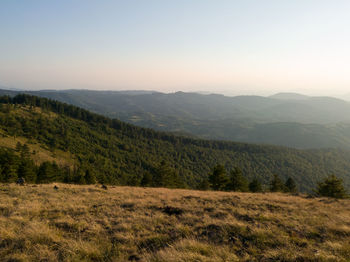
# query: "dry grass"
[86,223]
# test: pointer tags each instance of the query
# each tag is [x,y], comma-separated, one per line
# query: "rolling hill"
[120,153]
[285,119]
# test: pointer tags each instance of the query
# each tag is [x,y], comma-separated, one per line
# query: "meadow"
[88,223]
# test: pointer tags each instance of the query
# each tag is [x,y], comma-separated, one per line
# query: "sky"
[225,46]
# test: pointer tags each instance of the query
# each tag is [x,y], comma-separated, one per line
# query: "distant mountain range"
[286,119]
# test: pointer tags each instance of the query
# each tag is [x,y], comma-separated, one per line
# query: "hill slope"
[294,120]
[120,153]
[86,223]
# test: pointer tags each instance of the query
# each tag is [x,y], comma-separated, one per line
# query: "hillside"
[285,119]
[86,223]
[119,153]
[290,96]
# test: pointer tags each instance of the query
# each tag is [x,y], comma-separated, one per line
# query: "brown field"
[87,223]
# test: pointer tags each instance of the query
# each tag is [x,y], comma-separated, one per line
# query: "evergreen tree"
[237,182]
[67,178]
[163,176]
[204,184]
[147,180]
[332,187]
[79,176]
[255,186]
[26,170]
[217,178]
[290,186]
[25,151]
[45,173]
[18,147]
[9,173]
[276,184]
[90,177]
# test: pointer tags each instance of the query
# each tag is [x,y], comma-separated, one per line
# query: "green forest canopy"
[120,153]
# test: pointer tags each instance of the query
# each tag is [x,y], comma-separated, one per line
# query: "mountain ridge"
[325,121]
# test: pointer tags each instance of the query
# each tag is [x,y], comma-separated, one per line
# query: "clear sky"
[231,46]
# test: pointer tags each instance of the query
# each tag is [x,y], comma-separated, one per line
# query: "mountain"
[285,119]
[120,153]
[289,96]
[346,97]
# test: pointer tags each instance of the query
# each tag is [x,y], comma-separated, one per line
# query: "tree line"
[221,180]
[234,180]
[15,164]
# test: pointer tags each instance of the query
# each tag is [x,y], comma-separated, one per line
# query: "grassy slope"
[86,223]
[39,154]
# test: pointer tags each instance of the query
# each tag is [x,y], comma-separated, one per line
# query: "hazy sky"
[236,47]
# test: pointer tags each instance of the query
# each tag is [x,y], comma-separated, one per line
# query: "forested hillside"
[284,119]
[118,153]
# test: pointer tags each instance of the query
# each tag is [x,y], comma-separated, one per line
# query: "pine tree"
[237,182]
[332,187]
[25,151]
[90,177]
[217,178]
[163,176]
[204,184]
[255,186]
[9,173]
[290,185]
[45,173]
[147,180]
[18,147]
[276,184]
[26,169]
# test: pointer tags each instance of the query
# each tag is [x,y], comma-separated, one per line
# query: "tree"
[204,184]
[290,185]
[237,182]
[9,173]
[45,173]
[26,169]
[255,186]
[217,178]
[18,146]
[163,176]
[25,152]
[147,179]
[90,177]
[331,186]
[276,184]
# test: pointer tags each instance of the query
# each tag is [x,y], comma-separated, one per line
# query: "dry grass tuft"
[86,223]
